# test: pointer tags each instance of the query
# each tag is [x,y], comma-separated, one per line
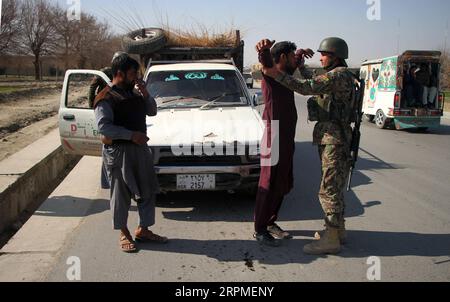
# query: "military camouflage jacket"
[335,85]
[98,85]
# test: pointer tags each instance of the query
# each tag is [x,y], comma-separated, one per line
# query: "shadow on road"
[441,130]
[300,205]
[69,206]
[362,244]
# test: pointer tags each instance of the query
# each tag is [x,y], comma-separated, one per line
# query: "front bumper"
[227,177]
[416,122]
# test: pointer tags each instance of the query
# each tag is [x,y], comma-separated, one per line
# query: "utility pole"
[56,68]
[445,41]
[0,14]
[398,37]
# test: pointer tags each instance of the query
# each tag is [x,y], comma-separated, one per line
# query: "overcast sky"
[403,24]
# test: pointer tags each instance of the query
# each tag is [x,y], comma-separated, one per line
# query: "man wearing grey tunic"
[121,112]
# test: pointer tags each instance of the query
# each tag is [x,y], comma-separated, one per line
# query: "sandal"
[126,245]
[149,236]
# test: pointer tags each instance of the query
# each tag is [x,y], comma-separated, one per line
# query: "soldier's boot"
[342,233]
[328,243]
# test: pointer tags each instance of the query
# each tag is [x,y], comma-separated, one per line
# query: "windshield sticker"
[196,76]
[217,77]
[172,78]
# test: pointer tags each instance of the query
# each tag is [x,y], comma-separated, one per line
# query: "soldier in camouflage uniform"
[331,108]
[98,84]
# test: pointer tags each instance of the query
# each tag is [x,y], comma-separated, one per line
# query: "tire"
[368,118]
[134,43]
[381,119]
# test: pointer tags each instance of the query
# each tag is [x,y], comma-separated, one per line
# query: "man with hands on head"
[276,179]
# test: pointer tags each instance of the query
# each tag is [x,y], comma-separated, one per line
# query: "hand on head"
[264,44]
[303,54]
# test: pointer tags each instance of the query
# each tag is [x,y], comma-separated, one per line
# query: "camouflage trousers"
[335,162]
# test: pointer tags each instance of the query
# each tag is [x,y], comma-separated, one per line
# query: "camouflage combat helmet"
[336,46]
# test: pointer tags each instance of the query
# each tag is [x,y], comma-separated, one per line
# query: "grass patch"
[14,78]
[10,89]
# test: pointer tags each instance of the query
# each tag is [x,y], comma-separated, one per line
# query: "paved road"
[398,211]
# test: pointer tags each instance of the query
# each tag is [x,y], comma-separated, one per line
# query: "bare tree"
[9,25]
[66,31]
[86,43]
[38,34]
[92,42]
[102,53]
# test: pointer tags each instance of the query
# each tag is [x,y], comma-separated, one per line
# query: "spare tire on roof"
[144,41]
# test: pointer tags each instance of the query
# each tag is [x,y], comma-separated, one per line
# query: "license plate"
[196,182]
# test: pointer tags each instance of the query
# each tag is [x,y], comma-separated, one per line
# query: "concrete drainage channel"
[27,178]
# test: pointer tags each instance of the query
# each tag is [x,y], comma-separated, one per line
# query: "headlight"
[253,154]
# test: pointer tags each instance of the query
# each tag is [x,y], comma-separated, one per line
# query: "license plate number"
[196,182]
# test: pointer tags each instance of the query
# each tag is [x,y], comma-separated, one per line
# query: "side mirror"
[258,99]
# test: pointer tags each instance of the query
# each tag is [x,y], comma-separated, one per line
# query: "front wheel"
[381,119]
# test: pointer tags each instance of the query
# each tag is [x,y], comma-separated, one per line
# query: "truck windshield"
[195,88]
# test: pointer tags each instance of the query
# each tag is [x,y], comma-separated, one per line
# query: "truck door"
[374,75]
[77,125]
[364,75]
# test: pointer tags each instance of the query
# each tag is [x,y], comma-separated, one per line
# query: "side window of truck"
[82,90]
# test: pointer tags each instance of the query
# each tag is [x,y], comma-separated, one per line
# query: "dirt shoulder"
[27,114]
[18,140]
[23,108]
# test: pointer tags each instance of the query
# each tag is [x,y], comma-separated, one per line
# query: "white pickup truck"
[206,134]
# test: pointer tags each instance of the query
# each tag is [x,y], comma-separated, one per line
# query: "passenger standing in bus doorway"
[414,91]
[428,84]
